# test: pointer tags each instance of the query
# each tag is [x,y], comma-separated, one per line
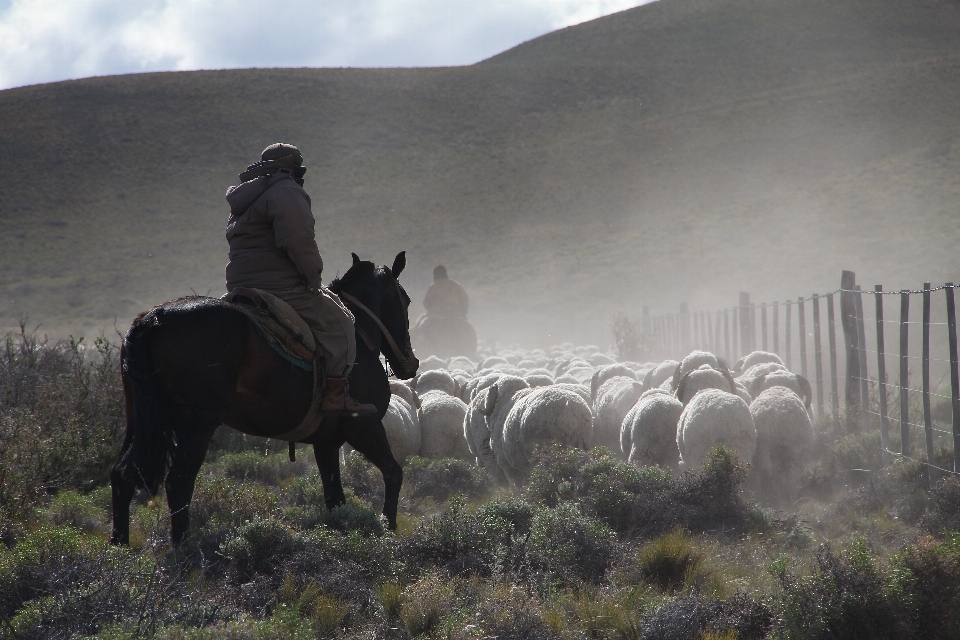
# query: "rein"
[393,345]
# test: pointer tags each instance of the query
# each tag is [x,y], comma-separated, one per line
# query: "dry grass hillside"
[680,151]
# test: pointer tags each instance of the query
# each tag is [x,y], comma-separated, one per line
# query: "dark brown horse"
[195,363]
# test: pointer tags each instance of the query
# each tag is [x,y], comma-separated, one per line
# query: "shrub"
[61,417]
[220,502]
[927,577]
[438,480]
[695,617]
[944,513]
[569,546]
[642,500]
[72,509]
[460,542]
[274,469]
[847,597]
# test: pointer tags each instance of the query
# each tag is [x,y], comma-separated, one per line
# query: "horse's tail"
[146,460]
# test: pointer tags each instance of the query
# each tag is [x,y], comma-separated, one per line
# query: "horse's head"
[386,328]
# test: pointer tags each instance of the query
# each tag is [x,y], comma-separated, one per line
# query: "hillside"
[680,151]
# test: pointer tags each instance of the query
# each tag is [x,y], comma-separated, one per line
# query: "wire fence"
[801,330]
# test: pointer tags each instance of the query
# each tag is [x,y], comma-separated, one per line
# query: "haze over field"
[684,150]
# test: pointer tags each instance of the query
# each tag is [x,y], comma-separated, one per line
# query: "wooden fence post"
[786,337]
[684,330]
[726,335]
[848,319]
[763,325]
[744,324]
[882,380]
[802,334]
[776,327]
[695,340]
[753,327]
[904,373]
[734,332]
[954,373]
[862,354]
[717,341]
[834,383]
[932,475]
[818,353]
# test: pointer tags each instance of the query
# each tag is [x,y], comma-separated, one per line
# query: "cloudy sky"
[49,40]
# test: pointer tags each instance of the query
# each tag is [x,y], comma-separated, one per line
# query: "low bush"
[439,480]
[61,418]
[944,513]
[740,617]
[568,546]
[848,596]
[643,500]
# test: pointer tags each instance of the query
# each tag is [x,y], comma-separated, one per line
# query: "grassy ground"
[591,548]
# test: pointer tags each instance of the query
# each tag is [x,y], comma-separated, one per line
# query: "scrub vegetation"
[592,547]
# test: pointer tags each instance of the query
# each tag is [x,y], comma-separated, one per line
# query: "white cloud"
[48,40]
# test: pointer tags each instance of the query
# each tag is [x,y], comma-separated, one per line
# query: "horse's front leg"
[328,462]
[370,439]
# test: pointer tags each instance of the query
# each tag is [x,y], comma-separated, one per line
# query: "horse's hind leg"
[122,490]
[188,456]
[371,440]
[122,493]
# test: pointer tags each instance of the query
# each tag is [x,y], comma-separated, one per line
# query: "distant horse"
[192,364]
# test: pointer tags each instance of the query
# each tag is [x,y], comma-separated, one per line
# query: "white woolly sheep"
[648,434]
[462,362]
[611,370]
[488,363]
[441,426]
[784,444]
[403,429]
[495,403]
[752,377]
[712,418]
[754,358]
[538,380]
[539,416]
[695,360]
[613,401]
[660,373]
[476,432]
[403,390]
[583,374]
[578,389]
[600,359]
[703,378]
[793,381]
[435,380]
[430,363]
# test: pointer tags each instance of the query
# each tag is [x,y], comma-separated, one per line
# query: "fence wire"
[692,329]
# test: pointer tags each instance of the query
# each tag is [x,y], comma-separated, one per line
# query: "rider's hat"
[277,156]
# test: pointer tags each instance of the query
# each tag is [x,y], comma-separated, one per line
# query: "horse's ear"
[399,263]
[356,258]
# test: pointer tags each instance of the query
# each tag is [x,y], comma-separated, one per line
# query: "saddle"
[290,336]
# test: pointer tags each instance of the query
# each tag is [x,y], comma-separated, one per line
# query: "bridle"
[407,362]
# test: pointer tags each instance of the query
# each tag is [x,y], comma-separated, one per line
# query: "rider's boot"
[337,400]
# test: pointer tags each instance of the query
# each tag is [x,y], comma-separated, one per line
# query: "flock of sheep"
[669,414]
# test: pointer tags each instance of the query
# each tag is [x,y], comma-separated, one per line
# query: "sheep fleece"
[713,418]
[541,415]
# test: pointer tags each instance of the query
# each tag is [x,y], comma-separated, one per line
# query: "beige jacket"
[271,235]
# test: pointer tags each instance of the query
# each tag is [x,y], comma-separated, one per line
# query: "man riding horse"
[272,247]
